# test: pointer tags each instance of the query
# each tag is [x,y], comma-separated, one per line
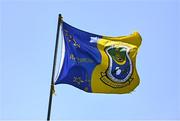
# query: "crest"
[119,71]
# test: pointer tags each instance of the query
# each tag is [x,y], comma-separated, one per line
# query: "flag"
[98,64]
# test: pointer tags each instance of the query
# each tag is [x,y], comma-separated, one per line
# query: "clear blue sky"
[27,39]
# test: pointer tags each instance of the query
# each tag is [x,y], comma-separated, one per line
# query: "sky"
[27,40]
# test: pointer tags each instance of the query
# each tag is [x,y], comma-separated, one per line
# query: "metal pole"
[54,66]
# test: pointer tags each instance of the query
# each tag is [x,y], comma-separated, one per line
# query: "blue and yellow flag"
[98,64]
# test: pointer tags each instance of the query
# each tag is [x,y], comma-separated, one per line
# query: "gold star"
[78,80]
[72,56]
[86,89]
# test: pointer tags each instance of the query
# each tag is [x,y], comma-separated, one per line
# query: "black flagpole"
[54,66]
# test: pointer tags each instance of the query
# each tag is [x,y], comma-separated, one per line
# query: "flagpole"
[53,70]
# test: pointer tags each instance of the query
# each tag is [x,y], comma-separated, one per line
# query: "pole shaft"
[54,66]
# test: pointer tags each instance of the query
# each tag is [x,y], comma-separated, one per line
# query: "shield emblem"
[120,65]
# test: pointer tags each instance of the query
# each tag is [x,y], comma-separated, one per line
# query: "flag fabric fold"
[98,64]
